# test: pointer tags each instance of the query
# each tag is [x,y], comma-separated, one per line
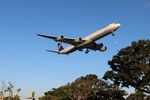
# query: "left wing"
[71,41]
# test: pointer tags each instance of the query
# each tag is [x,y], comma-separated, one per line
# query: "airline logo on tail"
[60,47]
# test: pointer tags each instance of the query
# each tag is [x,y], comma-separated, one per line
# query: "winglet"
[38,34]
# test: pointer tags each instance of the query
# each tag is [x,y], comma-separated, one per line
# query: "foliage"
[87,88]
[131,66]
[138,96]
[47,97]
[11,98]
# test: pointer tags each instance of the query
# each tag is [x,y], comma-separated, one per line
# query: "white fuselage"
[93,37]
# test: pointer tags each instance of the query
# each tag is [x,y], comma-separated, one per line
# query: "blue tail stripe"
[60,47]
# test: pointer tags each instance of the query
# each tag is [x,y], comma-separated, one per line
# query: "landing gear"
[113,34]
[80,49]
[87,51]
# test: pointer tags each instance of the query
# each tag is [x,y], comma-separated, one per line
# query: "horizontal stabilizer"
[53,51]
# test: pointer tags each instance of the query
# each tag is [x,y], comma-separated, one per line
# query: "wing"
[71,41]
[46,36]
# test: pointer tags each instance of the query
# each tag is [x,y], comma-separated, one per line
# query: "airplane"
[87,42]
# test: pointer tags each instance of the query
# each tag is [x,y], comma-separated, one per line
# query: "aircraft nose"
[118,24]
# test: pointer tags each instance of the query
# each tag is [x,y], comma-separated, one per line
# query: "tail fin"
[60,47]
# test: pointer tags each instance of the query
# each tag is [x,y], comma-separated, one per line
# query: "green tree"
[138,95]
[59,93]
[87,88]
[131,66]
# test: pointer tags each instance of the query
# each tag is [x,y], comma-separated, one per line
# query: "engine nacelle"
[60,38]
[101,48]
[78,40]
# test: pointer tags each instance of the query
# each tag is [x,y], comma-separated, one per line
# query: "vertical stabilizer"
[60,47]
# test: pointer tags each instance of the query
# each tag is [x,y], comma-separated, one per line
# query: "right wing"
[71,41]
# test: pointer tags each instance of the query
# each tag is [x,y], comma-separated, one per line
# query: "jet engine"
[78,40]
[104,48]
[101,47]
[60,38]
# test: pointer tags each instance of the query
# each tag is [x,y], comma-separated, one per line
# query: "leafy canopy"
[87,88]
[131,66]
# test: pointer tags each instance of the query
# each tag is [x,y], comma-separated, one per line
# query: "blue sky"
[23,58]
